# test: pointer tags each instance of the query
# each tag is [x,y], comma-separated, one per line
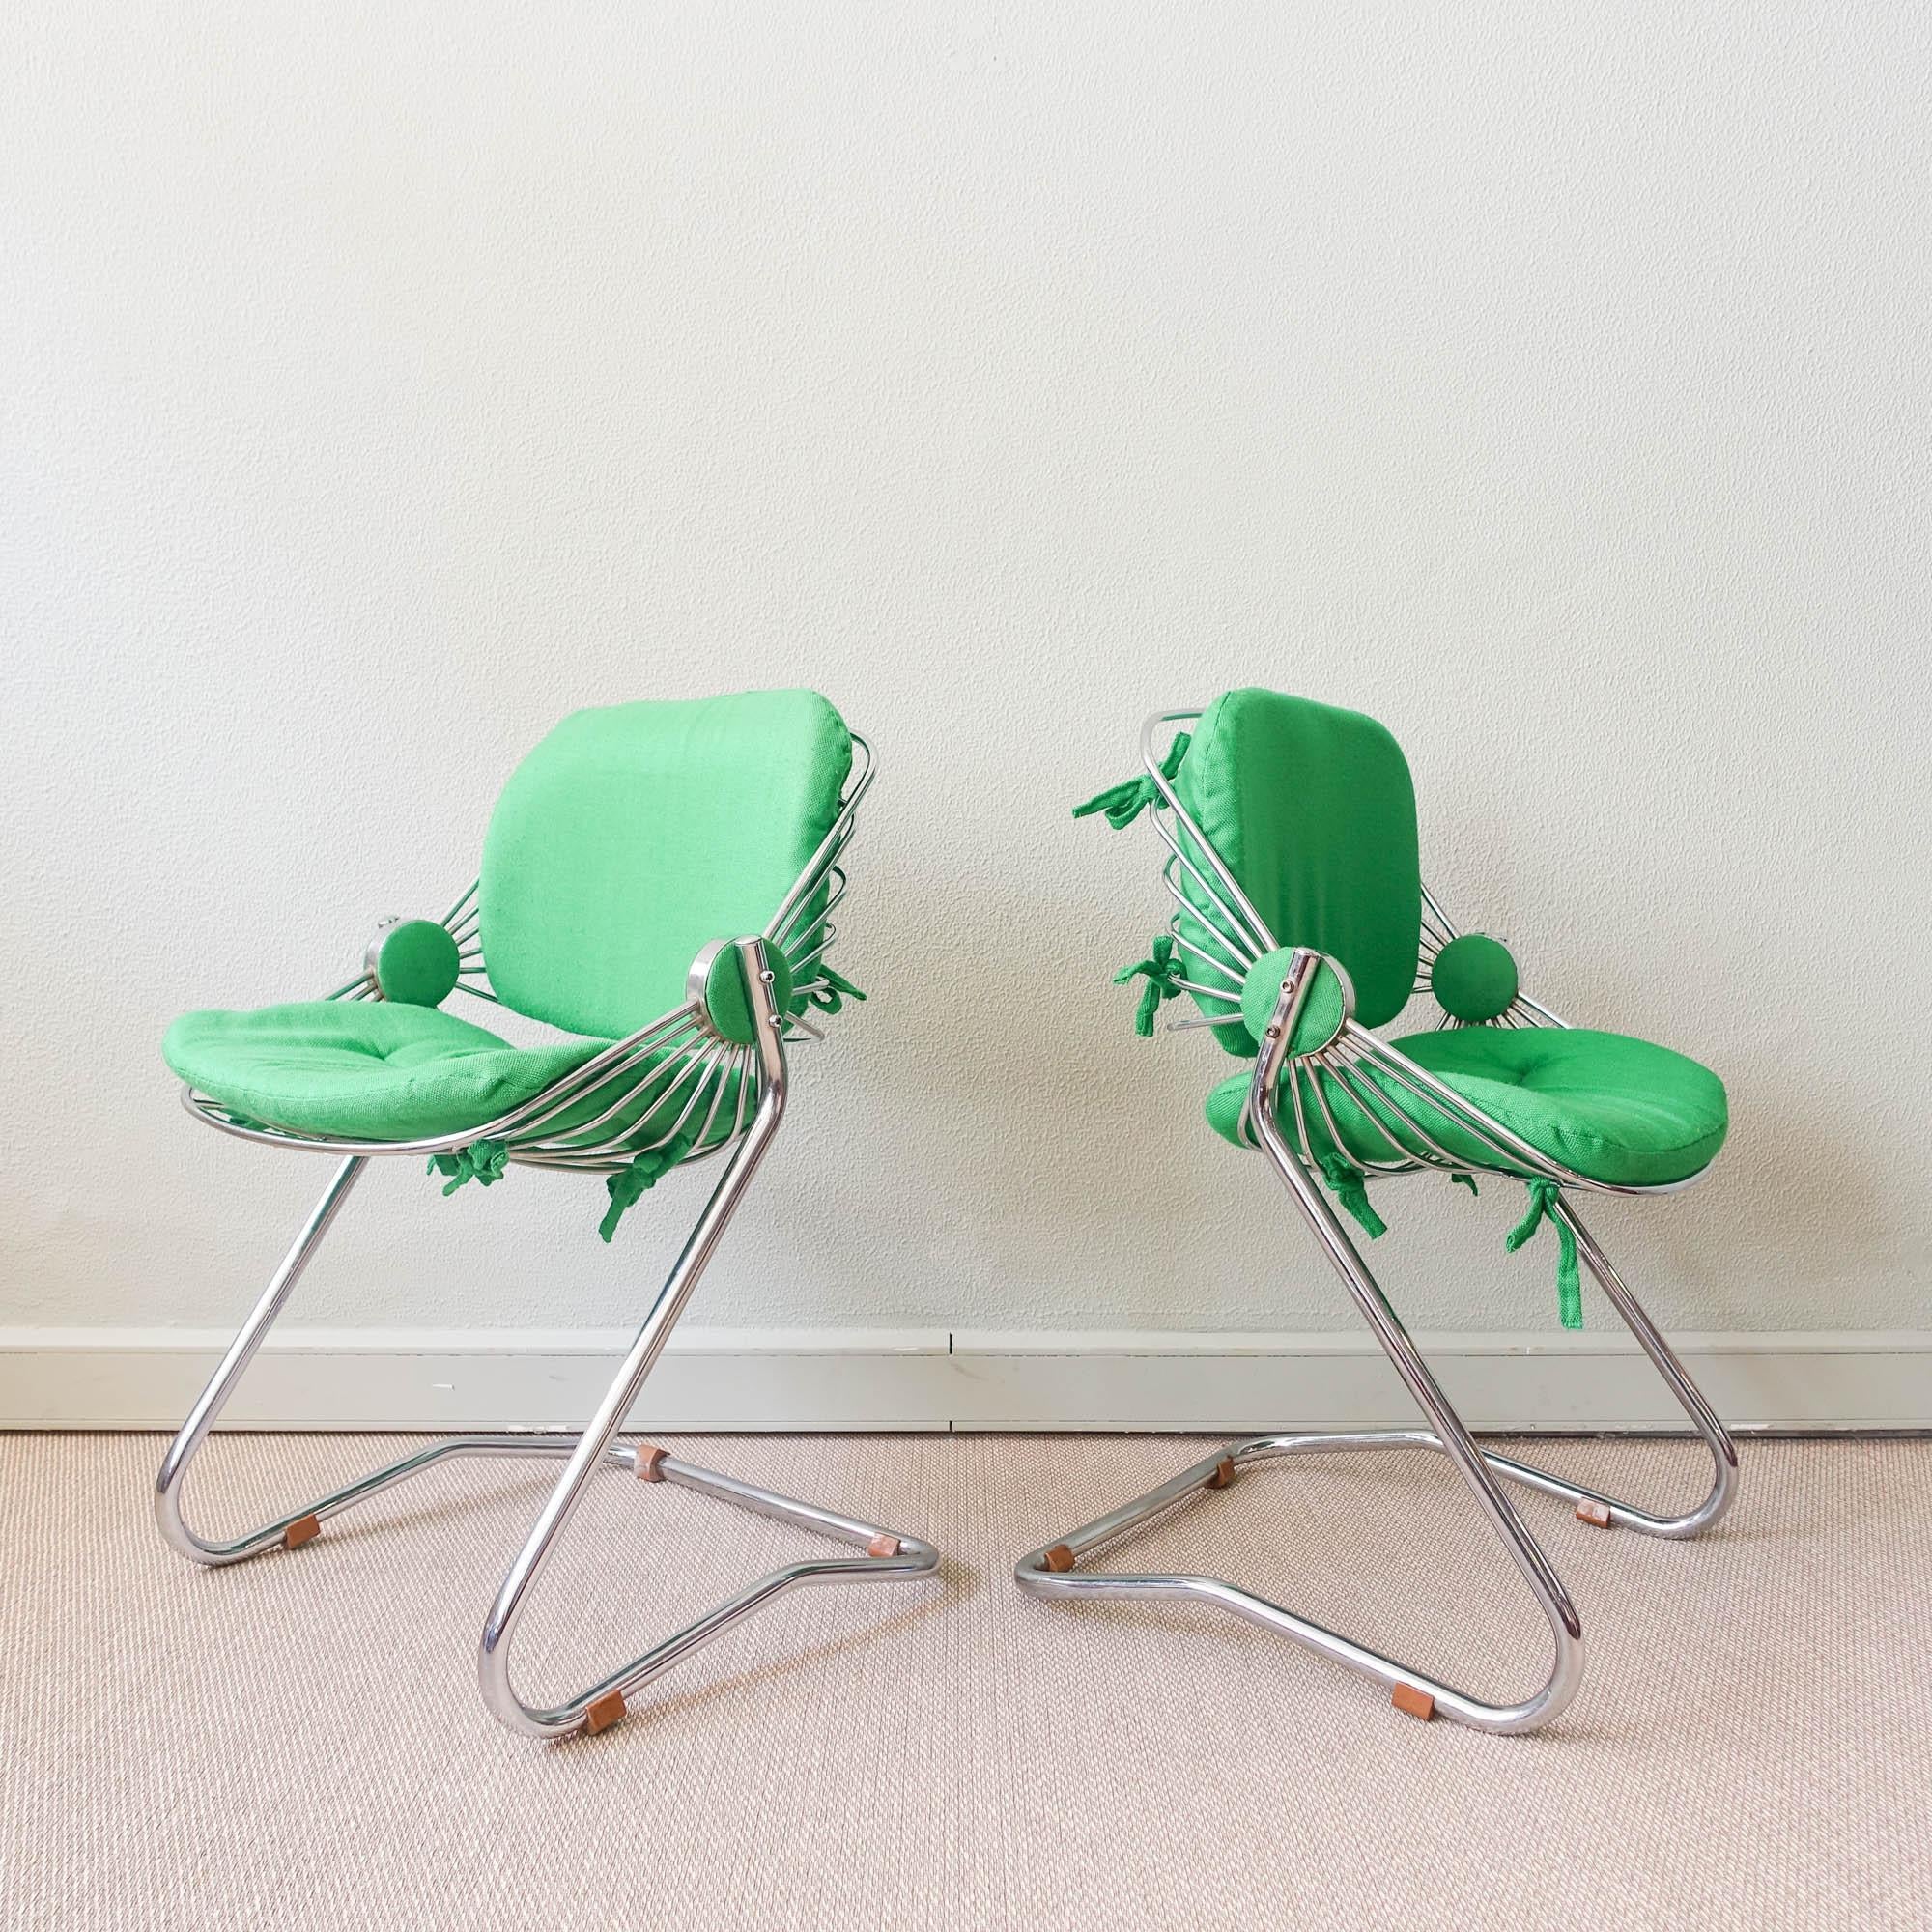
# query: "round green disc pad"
[415,962]
[725,999]
[1473,978]
[1322,1010]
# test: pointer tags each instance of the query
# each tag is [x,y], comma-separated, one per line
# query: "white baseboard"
[862,1379]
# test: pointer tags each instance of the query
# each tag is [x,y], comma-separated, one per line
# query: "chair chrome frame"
[680,1063]
[1356,1051]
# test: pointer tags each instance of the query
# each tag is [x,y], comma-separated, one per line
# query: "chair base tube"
[1053,1568]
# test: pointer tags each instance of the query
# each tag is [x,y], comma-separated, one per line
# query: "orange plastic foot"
[306,1530]
[1058,1557]
[650,1470]
[1414,1701]
[604,1712]
[1224,1473]
[1595,1513]
[883,1545]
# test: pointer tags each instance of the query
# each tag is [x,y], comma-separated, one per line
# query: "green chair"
[657,885]
[1300,929]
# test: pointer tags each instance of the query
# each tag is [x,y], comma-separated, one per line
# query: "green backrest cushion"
[635,832]
[1312,811]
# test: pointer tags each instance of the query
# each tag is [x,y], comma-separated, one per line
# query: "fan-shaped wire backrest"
[1312,810]
[635,832]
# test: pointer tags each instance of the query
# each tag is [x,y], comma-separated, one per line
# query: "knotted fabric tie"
[1350,1189]
[630,1185]
[481,1161]
[831,996]
[1543,1195]
[1124,803]
[1159,972]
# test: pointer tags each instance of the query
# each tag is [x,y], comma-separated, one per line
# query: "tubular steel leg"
[889,1559]
[241,1353]
[1051,1571]
[302,1524]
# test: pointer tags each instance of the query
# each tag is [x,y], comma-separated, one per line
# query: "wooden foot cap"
[604,1712]
[883,1545]
[306,1530]
[1414,1701]
[1224,1473]
[1598,1514]
[650,1470]
[1058,1557]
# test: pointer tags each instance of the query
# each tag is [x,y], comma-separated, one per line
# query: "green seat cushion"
[1312,811]
[362,1070]
[634,834]
[1612,1108]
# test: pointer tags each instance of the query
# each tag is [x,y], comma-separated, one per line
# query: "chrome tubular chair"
[1299,926]
[632,839]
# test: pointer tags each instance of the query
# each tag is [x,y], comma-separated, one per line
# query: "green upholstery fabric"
[362,1070]
[1312,810]
[1612,1108]
[1325,1006]
[1473,978]
[633,834]
[416,962]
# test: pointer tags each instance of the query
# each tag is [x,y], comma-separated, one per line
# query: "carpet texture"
[298,1742]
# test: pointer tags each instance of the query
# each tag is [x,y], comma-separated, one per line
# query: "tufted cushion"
[1610,1107]
[362,1070]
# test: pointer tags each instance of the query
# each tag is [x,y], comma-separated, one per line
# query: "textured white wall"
[383,383]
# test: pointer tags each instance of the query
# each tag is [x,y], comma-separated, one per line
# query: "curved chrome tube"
[1051,1571]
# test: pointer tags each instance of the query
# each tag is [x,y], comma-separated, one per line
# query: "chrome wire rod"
[1236,919]
[833,841]
[674,1032]
[652,1091]
[1258,927]
[1233,990]
[1195,987]
[1462,1112]
[1237,950]
[813,957]
[1318,1088]
[808,913]
[639,1137]
[1370,1104]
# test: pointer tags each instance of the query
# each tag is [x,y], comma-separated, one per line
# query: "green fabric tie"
[482,1161]
[1543,1195]
[1125,802]
[1350,1189]
[630,1185]
[830,997]
[1160,973]
[1467,1180]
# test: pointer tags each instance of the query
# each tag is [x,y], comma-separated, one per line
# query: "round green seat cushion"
[362,1070]
[1612,1108]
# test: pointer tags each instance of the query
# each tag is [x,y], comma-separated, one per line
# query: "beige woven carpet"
[298,1742]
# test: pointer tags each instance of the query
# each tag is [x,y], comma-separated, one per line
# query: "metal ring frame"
[1369,1070]
[595,1118]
